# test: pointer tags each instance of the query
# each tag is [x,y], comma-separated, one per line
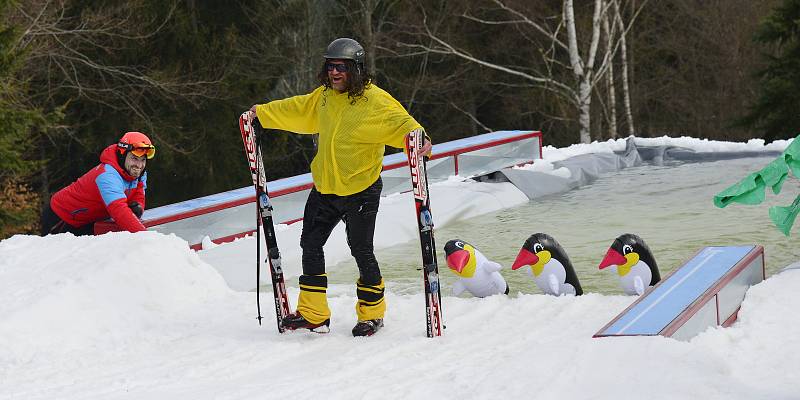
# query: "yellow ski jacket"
[351,136]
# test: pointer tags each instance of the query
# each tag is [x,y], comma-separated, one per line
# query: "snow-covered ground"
[141,316]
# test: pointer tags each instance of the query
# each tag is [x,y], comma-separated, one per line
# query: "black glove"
[258,130]
[136,208]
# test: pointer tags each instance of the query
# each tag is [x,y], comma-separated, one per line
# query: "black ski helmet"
[345,49]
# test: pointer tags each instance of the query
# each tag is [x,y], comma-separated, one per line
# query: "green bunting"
[750,190]
[784,217]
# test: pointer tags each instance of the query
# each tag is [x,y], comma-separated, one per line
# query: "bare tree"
[569,64]
[623,46]
[437,88]
[368,20]
[612,95]
[63,50]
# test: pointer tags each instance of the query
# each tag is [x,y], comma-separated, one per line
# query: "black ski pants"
[358,211]
[51,224]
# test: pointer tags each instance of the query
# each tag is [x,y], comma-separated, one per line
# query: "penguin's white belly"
[566,288]
[545,282]
[484,283]
[628,282]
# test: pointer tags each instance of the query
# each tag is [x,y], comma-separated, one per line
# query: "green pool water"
[669,206]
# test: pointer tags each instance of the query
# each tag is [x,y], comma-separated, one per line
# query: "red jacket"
[105,191]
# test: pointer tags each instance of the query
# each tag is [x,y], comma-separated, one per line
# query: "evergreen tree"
[777,109]
[18,204]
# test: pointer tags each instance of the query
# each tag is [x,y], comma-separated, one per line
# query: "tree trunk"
[626,93]
[612,96]
[368,7]
[192,14]
[583,72]
[584,109]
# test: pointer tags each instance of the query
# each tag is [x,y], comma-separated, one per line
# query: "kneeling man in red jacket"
[115,188]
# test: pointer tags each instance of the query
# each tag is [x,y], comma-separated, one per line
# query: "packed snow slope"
[141,316]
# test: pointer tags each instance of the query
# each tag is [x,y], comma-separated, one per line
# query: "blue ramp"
[706,291]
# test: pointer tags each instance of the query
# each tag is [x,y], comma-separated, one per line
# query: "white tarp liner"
[584,169]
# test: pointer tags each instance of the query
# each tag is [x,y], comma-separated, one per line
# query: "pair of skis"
[430,270]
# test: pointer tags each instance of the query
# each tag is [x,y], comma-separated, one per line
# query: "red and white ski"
[248,125]
[430,268]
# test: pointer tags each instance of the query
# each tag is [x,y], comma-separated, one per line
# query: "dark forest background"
[76,74]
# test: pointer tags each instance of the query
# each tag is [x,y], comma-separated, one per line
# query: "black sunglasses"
[338,67]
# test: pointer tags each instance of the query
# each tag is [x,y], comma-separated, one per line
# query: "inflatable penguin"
[476,273]
[634,263]
[551,269]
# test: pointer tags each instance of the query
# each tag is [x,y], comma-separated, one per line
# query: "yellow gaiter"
[312,303]
[371,304]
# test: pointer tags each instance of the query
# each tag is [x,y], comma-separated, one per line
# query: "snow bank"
[61,294]
[125,316]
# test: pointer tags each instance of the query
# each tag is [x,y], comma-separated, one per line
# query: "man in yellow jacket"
[355,120]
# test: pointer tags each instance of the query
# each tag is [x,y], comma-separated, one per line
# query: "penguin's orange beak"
[458,260]
[612,258]
[525,257]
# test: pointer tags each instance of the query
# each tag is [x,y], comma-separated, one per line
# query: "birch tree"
[570,63]
[612,94]
[623,47]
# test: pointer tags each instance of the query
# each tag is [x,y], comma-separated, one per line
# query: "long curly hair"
[358,80]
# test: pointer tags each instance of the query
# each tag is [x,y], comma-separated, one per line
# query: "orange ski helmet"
[137,143]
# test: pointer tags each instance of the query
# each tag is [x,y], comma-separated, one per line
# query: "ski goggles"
[140,149]
[338,67]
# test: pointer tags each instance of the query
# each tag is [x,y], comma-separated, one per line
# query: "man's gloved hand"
[136,208]
[258,130]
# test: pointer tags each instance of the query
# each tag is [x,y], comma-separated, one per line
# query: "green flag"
[784,217]
[792,157]
[750,190]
